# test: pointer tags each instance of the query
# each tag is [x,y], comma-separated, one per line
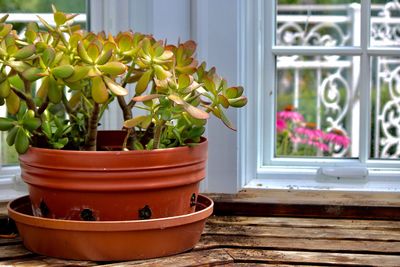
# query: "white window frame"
[257,58]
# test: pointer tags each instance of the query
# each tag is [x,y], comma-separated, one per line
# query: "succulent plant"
[57,81]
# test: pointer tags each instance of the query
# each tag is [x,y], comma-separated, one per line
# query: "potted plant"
[59,80]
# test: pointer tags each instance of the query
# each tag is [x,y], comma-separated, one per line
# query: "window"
[325,111]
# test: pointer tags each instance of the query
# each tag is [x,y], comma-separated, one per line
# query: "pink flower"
[337,139]
[281,125]
[290,115]
[309,132]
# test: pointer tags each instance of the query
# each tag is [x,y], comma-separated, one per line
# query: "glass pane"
[385,23]
[385,135]
[19,15]
[322,23]
[316,114]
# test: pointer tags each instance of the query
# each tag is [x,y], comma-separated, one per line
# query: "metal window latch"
[343,172]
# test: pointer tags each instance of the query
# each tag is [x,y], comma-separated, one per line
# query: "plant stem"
[29,102]
[157,134]
[91,137]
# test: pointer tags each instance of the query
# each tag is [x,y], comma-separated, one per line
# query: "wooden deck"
[266,241]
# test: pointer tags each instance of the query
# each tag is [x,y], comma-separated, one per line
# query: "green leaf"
[6,124]
[63,71]
[32,74]
[21,141]
[143,98]
[238,102]
[43,89]
[161,73]
[83,54]
[104,57]
[223,101]
[134,121]
[11,136]
[60,18]
[115,87]
[5,89]
[47,25]
[93,52]
[113,68]
[143,82]
[54,92]
[25,52]
[31,124]
[48,56]
[193,111]
[13,103]
[80,72]
[184,81]
[5,30]
[4,18]
[125,42]
[99,90]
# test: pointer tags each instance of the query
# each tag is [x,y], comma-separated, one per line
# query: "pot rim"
[203,141]
[107,226]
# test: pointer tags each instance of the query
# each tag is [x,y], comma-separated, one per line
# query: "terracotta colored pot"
[109,240]
[113,185]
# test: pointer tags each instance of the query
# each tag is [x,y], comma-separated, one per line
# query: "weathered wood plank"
[213,257]
[9,241]
[306,222]
[298,232]
[342,198]
[13,251]
[42,261]
[297,244]
[295,257]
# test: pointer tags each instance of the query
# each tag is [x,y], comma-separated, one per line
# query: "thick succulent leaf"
[5,30]
[125,42]
[80,72]
[6,124]
[223,101]
[104,57]
[43,89]
[17,82]
[11,136]
[47,25]
[19,66]
[233,92]
[83,54]
[21,141]
[75,100]
[161,73]
[60,18]
[54,92]
[184,81]
[4,18]
[13,103]
[93,51]
[113,68]
[143,98]
[166,55]
[99,90]
[226,121]
[193,111]
[143,82]
[115,87]
[25,52]
[48,56]
[134,121]
[63,71]
[5,89]
[31,124]
[238,102]
[32,74]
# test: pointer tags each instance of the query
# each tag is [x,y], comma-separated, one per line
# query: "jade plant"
[58,80]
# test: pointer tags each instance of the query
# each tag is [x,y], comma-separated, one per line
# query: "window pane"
[319,24]
[316,113]
[19,15]
[385,84]
[385,23]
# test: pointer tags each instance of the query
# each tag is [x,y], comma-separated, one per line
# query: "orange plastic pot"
[109,240]
[113,185]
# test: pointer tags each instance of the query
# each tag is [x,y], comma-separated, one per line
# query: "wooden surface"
[262,241]
[293,228]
